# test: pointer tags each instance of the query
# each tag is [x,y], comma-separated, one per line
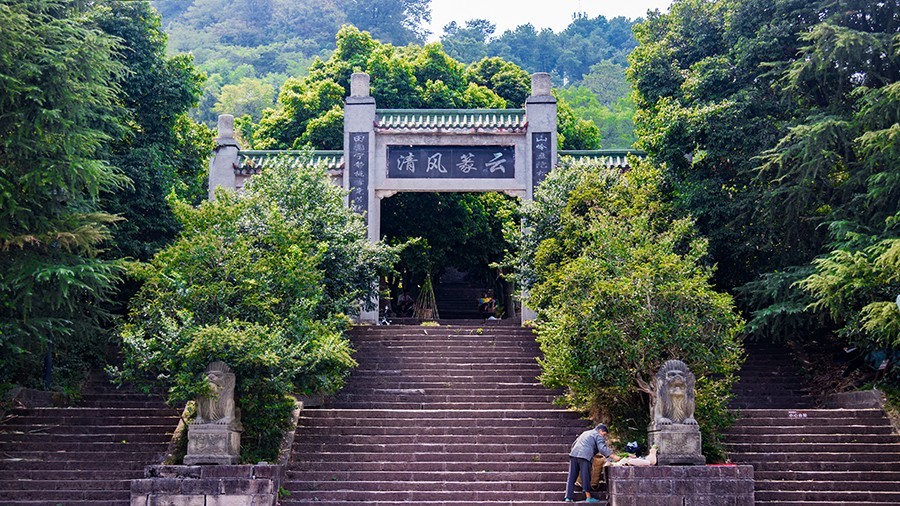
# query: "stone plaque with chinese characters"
[540,156]
[451,162]
[358,169]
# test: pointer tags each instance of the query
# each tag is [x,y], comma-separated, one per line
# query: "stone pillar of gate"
[225,157]
[359,162]
[541,142]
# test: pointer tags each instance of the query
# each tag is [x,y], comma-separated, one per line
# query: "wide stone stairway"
[436,415]
[82,455]
[804,456]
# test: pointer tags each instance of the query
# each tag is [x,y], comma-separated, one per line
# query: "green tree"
[262,281]
[58,109]
[162,151]
[409,77]
[248,97]
[620,286]
[778,128]
[467,43]
[707,106]
[397,22]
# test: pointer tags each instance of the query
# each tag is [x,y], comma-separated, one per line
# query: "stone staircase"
[82,455]
[458,301]
[436,415]
[804,456]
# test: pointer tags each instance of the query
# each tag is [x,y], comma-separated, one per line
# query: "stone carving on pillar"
[214,437]
[672,425]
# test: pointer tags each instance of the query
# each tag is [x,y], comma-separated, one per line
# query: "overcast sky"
[555,14]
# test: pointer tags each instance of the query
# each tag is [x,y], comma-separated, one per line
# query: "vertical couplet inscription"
[358,166]
[540,157]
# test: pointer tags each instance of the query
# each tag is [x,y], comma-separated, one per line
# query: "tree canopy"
[620,285]
[261,280]
[777,124]
[58,110]
[162,150]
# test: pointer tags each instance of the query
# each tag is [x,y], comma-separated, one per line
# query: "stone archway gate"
[387,151]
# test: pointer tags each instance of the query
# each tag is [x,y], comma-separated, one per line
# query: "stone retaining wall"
[249,485]
[680,486]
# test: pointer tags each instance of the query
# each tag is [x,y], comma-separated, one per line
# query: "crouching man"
[588,444]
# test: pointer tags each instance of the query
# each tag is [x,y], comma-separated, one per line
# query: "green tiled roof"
[613,158]
[510,120]
[253,161]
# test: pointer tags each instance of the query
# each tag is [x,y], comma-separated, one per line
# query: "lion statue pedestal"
[673,427]
[214,437]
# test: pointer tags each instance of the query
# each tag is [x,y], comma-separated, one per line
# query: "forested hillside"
[248,49]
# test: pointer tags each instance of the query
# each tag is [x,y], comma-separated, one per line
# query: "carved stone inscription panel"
[451,162]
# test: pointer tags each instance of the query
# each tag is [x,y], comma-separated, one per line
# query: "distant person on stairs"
[405,304]
[486,303]
[588,444]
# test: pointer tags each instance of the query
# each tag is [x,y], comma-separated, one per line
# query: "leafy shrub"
[260,281]
[620,287]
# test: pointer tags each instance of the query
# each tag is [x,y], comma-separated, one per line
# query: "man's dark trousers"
[578,466]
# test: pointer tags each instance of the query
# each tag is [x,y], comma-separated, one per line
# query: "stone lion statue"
[672,400]
[219,407]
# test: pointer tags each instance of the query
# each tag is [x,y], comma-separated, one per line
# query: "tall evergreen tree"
[59,76]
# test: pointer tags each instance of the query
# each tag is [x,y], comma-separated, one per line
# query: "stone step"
[830,497]
[474,336]
[18,485]
[834,484]
[815,448]
[418,476]
[456,379]
[557,455]
[823,439]
[881,429]
[467,485]
[536,441]
[424,405]
[409,431]
[806,415]
[843,475]
[304,447]
[52,439]
[71,456]
[437,415]
[79,412]
[70,475]
[379,355]
[23,426]
[432,397]
[769,456]
[766,424]
[424,496]
[100,419]
[53,497]
[441,502]
[819,503]
[301,468]
[395,388]
[37,463]
[82,447]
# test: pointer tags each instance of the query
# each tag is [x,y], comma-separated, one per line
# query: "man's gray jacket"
[589,443]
